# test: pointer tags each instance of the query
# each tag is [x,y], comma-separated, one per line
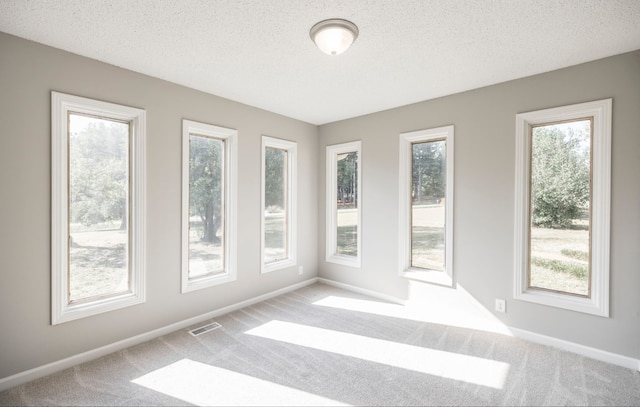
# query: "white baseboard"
[41,371]
[362,291]
[593,353]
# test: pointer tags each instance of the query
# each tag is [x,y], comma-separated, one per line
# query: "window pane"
[98,207]
[428,205]
[275,204]
[206,206]
[560,207]
[347,204]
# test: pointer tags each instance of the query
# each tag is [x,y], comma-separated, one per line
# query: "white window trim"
[600,110]
[331,221]
[292,152]
[404,249]
[61,105]
[230,136]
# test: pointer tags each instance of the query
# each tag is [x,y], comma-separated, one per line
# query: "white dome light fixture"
[334,36]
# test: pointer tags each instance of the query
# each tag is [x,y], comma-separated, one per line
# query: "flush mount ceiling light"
[334,36]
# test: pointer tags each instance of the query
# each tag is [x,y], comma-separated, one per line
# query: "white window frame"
[61,105]
[331,195]
[598,303]
[405,172]
[230,136]
[291,147]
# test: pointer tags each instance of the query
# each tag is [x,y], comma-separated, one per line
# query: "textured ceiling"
[259,52]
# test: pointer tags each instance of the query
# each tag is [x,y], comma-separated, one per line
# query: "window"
[344,204]
[563,182]
[97,208]
[426,205]
[278,204]
[208,205]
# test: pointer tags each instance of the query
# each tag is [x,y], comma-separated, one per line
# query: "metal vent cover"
[204,329]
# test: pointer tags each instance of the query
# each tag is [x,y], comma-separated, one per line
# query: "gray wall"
[28,73]
[484,122]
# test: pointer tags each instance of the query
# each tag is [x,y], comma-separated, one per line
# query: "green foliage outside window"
[428,181]
[559,175]
[98,172]
[347,180]
[275,178]
[206,158]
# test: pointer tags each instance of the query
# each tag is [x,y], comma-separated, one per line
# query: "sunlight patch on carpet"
[442,313]
[455,366]
[205,385]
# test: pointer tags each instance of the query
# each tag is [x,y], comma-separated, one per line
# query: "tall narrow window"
[426,205]
[98,184]
[562,204]
[98,207]
[208,202]
[560,215]
[344,204]
[428,183]
[278,204]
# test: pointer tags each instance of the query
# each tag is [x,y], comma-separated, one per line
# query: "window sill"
[277,265]
[207,281]
[71,312]
[428,276]
[350,261]
[568,302]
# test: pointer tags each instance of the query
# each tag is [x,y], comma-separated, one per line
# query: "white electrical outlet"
[501,305]
[300,270]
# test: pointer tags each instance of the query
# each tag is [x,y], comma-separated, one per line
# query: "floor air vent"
[205,328]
